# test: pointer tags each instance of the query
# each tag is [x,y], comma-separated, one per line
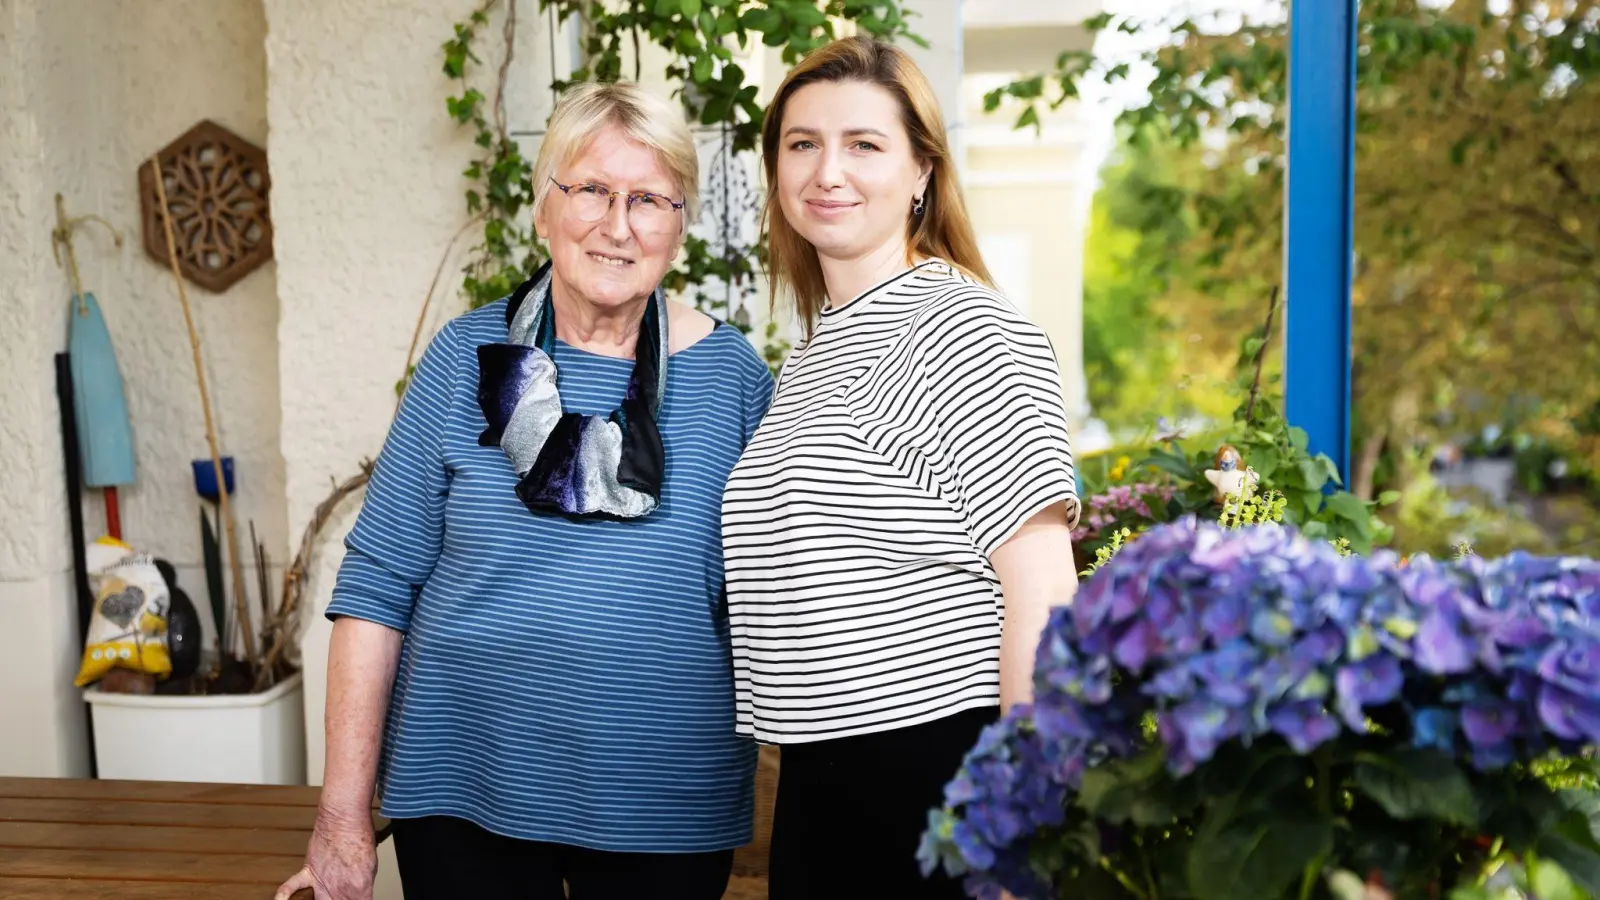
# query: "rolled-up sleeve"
[994,392]
[395,543]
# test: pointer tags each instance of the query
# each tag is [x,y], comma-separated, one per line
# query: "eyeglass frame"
[611,196]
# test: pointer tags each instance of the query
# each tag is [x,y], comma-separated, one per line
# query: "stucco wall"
[90,88]
[33,597]
[368,193]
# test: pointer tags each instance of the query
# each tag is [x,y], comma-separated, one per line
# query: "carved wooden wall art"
[217,186]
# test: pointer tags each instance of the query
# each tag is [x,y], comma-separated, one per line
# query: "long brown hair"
[943,229]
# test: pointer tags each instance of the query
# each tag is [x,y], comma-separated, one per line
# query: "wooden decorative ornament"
[216,186]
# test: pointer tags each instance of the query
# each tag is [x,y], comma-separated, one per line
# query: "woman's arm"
[1036,574]
[361,664]
[342,860]
[390,554]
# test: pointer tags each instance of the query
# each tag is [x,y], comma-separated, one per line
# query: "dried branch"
[1261,355]
[296,578]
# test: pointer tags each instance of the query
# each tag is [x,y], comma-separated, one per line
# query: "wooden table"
[144,840]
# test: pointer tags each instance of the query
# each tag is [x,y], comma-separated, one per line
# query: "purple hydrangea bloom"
[1372,681]
[1304,724]
[1489,722]
[1445,646]
[1237,636]
[1568,715]
[1572,663]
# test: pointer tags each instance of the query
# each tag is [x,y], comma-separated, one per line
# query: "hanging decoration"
[216,185]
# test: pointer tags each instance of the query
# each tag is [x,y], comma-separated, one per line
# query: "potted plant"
[1229,714]
[237,719]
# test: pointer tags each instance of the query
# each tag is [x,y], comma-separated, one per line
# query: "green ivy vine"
[699,36]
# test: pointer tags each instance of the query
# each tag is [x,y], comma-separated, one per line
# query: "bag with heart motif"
[129,626]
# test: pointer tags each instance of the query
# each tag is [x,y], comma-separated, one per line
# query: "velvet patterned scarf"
[580,466]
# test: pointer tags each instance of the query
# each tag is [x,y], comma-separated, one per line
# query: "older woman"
[900,524]
[529,653]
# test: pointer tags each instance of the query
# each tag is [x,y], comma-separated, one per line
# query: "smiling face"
[608,263]
[847,173]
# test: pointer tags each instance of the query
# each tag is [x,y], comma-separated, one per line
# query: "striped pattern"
[559,680]
[911,436]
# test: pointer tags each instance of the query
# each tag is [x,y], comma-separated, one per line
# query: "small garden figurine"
[1231,477]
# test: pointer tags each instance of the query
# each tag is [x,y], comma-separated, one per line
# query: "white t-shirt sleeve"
[994,394]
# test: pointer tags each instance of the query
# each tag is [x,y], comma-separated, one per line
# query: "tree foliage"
[700,38]
[1477,281]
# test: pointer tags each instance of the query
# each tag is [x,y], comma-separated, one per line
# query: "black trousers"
[445,858]
[851,811]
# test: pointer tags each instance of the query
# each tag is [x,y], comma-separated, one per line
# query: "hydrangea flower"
[1119,503]
[1224,635]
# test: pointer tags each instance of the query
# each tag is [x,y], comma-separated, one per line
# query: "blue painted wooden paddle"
[105,433]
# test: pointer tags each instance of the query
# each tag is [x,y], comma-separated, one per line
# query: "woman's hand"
[341,862]
[342,859]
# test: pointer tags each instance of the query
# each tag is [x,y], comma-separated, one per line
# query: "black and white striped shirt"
[918,428]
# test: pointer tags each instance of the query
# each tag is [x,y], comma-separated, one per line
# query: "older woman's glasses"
[648,213]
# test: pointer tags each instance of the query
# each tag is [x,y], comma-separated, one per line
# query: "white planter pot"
[225,738]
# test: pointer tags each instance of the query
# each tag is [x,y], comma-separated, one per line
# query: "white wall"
[1028,192]
[367,194]
[35,601]
[91,88]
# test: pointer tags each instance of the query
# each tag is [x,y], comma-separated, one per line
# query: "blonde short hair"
[586,109]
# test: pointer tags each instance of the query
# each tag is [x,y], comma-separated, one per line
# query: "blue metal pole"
[1319,238]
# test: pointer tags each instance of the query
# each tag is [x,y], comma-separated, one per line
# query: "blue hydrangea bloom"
[1219,635]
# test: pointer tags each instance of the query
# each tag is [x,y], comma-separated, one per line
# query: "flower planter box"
[225,738]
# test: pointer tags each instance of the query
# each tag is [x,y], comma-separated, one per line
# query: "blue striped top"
[559,681]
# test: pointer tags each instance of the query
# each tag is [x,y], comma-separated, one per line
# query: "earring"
[916,206]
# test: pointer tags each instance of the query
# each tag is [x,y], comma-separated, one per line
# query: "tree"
[1151,347]
[1477,283]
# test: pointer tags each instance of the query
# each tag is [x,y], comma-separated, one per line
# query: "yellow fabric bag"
[129,625]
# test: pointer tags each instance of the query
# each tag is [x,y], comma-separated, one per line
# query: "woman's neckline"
[835,313]
[628,359]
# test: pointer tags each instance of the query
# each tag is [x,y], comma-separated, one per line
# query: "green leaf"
[1137,789]
[1571,843]
[1348,506]
[763,20]
[1329,470]
[717,109]
[1585,802]
[807,15]
[702,68]
[691,8]
[1171,463]
[1030,116]
[1311,476]
[1264,460]
[1551,882]
[1258,855]
[1344,884]
[1389,498]
[1416,784]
